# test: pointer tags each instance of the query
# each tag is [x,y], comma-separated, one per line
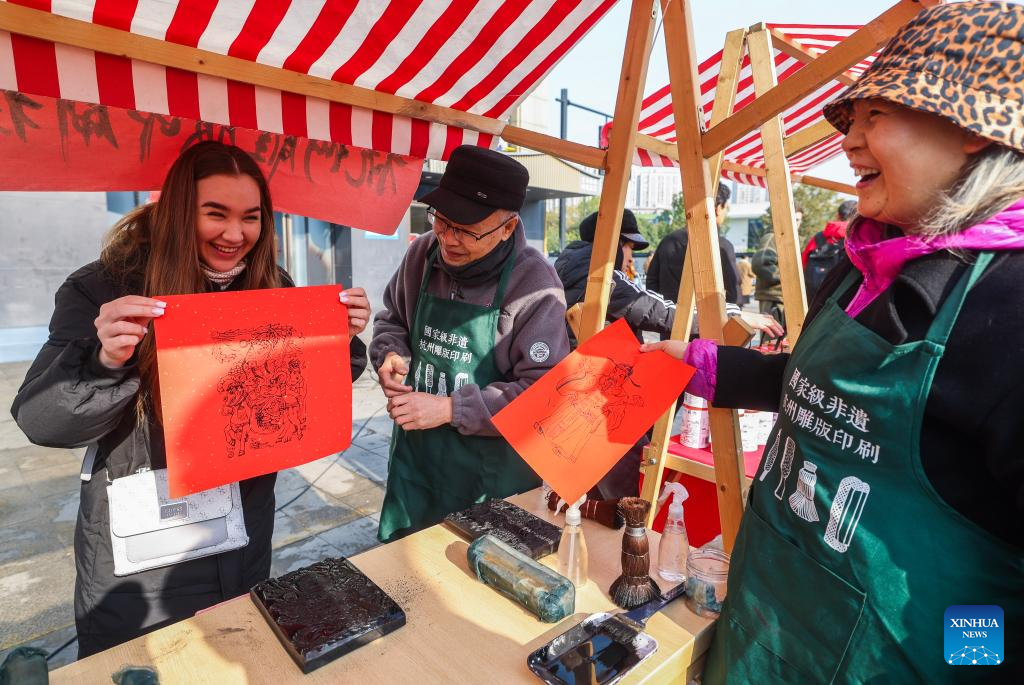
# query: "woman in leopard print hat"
[893,485]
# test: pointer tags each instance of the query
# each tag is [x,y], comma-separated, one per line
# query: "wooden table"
[458,630]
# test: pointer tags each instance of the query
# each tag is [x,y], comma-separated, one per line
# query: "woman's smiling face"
[905,159]
[228,219]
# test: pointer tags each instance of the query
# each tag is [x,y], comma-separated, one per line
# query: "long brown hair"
[154,247]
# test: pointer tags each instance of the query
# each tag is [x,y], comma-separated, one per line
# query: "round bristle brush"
[635,586]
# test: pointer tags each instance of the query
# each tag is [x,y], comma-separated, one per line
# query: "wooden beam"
[799,52]
[780,189]
[703,250]
[725,91]
[619,164]
[66,31]
[556,147]
[825,183]
[856,47]
[653,465]
[812,135]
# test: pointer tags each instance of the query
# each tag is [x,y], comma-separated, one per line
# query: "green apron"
[847,558]
[434,472]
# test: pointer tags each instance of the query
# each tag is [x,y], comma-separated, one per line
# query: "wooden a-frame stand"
[698,152]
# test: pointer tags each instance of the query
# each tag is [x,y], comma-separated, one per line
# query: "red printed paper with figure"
[252,382]
[577,421]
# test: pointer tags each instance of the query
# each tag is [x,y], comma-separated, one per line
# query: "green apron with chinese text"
[847,558]
[434,472]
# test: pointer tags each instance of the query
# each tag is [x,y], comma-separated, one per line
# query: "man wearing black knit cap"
[472,317]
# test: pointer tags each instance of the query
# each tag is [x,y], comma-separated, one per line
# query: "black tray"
[326,610]
[513,525]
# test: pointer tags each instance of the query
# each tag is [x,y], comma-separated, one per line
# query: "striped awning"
[478,56]
[656,117]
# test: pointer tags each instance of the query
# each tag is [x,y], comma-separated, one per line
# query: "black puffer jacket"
[665,269]
[70,399]
[642,309]
[972,431]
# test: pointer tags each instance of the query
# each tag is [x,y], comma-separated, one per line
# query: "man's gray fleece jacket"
[532,318]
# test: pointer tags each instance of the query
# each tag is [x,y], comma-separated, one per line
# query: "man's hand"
[764,323]
[420,410]
[391,374]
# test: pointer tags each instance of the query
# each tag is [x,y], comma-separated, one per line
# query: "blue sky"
[590,70]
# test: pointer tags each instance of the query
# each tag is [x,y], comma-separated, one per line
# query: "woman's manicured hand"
[420,410]
[358,309]
[122,324]
[676,348]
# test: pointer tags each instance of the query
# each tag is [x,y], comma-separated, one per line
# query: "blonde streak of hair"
[991,182]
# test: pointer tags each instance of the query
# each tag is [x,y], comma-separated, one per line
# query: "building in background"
[746,207]
[651,189]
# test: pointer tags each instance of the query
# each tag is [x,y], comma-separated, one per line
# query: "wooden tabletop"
[457,630]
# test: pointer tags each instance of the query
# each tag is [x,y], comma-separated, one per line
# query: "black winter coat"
[665,269]
[972,434]
[70,399]
[643,310]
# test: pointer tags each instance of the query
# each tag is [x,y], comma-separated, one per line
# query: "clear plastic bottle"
[674,546]
[572,550]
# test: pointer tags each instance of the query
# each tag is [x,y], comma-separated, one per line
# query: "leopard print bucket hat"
[962,61]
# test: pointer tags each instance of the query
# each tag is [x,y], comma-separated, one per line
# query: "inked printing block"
[326,610]
[516,527]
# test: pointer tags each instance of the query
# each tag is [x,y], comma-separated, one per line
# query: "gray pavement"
[328,507]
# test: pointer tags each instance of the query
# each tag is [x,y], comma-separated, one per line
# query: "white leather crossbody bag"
[148,529]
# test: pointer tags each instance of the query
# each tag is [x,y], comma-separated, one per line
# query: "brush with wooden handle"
[604,511]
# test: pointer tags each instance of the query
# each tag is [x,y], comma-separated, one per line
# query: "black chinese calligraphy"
[264,392]
[88,121]
[17,106]
[589,398]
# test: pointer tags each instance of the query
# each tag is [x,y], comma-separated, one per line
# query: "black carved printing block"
[511,524]
[326,610]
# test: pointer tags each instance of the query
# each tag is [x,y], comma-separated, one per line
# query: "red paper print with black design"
[252,382]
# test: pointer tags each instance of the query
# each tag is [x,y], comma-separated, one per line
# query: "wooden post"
[861,43]
[653,464]
[619,163]
[698,197]
[780,189]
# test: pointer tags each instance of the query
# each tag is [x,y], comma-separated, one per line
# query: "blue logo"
[973,635]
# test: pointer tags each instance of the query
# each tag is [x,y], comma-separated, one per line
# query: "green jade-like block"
[544,593]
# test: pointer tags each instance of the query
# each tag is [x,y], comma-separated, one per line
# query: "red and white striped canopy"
[479,56]
[656,117]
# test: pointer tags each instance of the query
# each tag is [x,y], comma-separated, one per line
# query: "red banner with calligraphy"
[48,144]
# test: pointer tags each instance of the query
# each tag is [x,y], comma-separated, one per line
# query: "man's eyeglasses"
[442,227]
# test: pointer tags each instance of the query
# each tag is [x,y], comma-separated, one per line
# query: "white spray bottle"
[674,546]
[572,550]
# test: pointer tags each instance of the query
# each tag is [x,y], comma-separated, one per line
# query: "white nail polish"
[160,304]
[157,311]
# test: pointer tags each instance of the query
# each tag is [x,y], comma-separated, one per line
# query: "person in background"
[471,318]
[765,263]
[94,381]
[825,249]
[643,310]
[746,276]
[899,493]
[665,267]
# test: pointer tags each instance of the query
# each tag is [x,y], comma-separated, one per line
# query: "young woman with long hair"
[93,382]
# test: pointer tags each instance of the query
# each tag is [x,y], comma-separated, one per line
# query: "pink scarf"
[881,260]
